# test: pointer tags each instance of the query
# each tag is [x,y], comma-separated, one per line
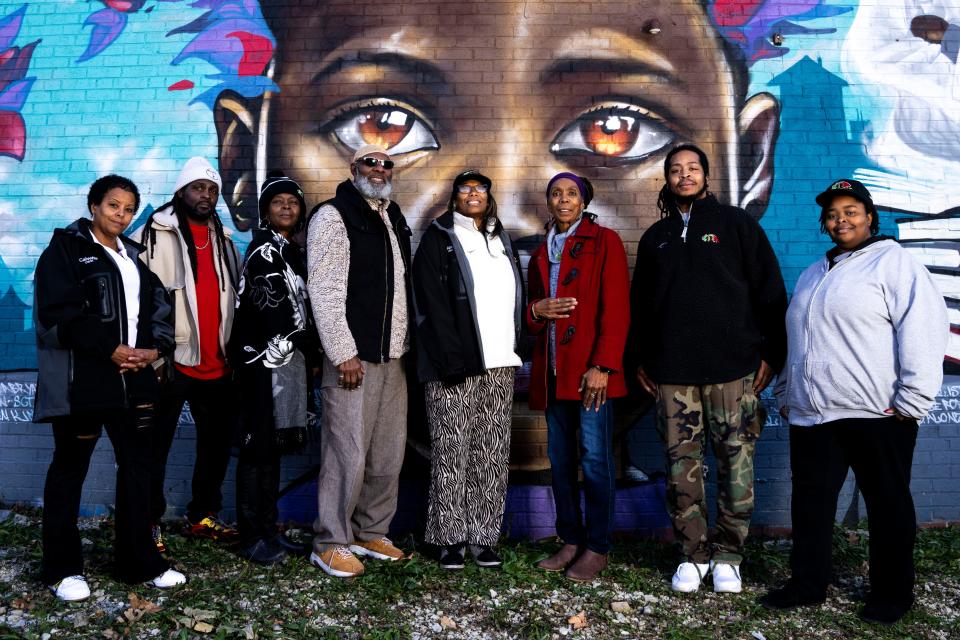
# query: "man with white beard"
[358,258]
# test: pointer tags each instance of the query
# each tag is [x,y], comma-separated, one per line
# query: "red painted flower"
[14,86]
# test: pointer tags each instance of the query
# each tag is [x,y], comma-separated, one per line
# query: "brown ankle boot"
[561,559]
[587,567]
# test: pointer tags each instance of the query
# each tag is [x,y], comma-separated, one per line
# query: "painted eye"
[397,129]
[620,132]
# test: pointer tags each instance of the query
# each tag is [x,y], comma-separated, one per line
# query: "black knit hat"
[275,184]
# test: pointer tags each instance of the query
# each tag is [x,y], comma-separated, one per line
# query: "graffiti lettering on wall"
[784,96]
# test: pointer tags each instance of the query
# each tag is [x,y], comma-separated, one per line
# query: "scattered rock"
[203,627]
[648,610]
[619,606]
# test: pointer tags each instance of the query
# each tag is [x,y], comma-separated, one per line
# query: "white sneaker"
[726,578]
[71,589]
[167,579]
[689,575]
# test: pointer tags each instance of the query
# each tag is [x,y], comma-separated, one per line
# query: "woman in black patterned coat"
[271,349]
[468,296]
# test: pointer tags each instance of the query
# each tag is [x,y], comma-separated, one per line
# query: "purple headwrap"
[586,193]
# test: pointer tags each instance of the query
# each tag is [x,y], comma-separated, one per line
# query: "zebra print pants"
[470,450]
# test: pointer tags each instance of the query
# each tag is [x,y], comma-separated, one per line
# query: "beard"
[198,216]
[685,200]
[370,190]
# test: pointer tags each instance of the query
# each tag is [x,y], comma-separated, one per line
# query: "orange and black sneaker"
[211,528]
[156,532]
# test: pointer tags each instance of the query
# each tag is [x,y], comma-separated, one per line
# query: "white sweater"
[864,337]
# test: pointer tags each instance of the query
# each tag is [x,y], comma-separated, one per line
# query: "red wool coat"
[594,271]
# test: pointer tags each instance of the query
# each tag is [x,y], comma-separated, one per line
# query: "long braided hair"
[667,199]
[179,210]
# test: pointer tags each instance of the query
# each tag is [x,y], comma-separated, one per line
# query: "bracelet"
[534,314]
[605,370]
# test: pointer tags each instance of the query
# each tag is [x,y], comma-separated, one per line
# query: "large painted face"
[528,92]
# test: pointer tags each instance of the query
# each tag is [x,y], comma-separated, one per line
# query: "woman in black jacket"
[468,296]
[102,319]
[272,346]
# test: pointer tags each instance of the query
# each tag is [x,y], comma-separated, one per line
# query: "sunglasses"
[372,162]
[466,188]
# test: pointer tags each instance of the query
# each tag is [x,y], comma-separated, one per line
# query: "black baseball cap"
[845,187]
[471,174]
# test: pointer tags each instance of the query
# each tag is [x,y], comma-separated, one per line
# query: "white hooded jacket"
[864,337]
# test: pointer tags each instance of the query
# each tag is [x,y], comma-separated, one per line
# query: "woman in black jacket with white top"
[102,320]
[468,296]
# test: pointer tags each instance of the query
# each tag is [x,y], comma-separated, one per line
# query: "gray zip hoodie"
[863,338]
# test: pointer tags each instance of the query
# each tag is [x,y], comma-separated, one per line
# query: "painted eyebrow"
[624,66]
[410,65]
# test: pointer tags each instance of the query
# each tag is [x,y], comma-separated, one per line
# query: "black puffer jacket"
[81,319]
[448,340]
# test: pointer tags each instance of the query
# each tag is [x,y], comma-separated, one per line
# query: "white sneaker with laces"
[71,589]
[726,577]
[689,575]
[167,579]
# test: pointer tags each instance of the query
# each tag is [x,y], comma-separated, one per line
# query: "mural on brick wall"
[784,96]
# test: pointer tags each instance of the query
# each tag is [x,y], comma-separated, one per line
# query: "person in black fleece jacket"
[708,305]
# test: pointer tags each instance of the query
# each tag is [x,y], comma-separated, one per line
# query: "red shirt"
[213,364]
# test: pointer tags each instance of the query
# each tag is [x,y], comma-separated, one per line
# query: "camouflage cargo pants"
[733,417]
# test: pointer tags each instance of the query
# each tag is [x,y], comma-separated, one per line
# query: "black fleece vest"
[370,291]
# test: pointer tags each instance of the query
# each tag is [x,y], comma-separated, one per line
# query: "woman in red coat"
[579,287]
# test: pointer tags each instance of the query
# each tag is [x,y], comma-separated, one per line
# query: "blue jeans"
[595,453]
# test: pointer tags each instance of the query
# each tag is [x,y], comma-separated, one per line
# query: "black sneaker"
[886,614]
[790,596]
[485,556]
[451,557]
[265,552]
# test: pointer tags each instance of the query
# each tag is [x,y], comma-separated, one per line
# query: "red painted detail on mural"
[182,85]
[124,6]
[257,51]
[13,135]
[735,13]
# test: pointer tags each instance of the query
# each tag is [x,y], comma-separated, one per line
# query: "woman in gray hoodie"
[867,332]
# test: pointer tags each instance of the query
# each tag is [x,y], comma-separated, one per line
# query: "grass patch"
[229,598]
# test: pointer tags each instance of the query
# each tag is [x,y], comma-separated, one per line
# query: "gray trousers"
[361,451]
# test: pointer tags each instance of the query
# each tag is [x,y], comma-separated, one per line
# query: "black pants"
[258,486]
[212,404]
[880,452]
[135,555]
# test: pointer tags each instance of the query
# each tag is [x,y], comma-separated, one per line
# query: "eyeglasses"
[372,162]
[467,188]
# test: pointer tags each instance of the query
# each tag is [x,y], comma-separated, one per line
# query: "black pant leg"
[166,417]
[258,485]
[819,467]
[62,550]
[213,406]
[882,459]
[136,558]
